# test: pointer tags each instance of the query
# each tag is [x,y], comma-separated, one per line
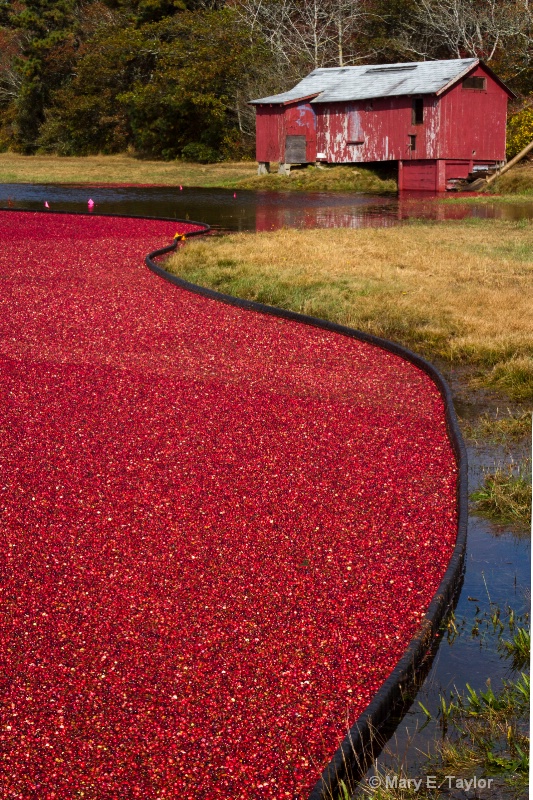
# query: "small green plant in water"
[344,793]
[518,649]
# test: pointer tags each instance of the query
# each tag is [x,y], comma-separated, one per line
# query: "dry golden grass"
[15,168]
[518,181]
[458,290]
[345,178]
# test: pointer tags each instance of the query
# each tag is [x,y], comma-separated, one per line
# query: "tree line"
[171,78]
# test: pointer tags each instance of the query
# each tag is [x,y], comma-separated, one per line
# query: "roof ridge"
[368,81]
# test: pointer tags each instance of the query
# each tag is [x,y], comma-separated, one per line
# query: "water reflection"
[254,211]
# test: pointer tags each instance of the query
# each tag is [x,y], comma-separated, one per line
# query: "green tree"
[167,88]
[47,31]
[85,117]
[190,103]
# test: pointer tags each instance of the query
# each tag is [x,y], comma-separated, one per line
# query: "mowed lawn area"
[459,291]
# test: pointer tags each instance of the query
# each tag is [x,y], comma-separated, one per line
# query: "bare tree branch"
[468,27]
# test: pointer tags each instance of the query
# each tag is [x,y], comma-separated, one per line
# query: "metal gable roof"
[336,84]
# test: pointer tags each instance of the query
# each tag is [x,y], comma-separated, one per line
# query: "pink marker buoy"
[181,188]
[46,204]
[234,195]
[90,204]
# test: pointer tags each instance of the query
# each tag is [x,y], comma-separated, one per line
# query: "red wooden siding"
[466,124]
[270,133]
[458,169]
[274,123]
[420,176]
[383,127]
[473,121]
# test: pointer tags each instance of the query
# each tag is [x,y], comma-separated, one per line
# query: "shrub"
[519,131]
[202,153]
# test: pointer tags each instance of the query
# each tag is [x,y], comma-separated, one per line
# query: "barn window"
[355,131]
[412,142]
[418,110]
[475,83]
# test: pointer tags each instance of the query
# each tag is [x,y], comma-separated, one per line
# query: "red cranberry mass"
[220,529]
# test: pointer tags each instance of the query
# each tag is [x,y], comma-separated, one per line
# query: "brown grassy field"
[15,168]
[457,290]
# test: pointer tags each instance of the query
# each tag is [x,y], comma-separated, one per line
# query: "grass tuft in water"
[505,496]
[500,428]
[518,649]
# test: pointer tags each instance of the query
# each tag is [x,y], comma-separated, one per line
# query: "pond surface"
[244,210]
[498,560]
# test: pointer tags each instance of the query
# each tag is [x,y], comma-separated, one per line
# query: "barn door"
[295,150]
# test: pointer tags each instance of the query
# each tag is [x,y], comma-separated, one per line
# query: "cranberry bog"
[226,536]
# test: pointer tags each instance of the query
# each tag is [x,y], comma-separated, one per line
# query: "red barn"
[438,119]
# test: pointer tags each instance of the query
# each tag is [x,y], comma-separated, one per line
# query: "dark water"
[498,560]
[497,576]
[253,211]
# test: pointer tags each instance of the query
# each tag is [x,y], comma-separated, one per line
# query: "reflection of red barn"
[438,119]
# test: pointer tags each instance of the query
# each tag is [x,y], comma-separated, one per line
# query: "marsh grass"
[505,496]
[15,168]
[490,730]
[518,181]
[479,732]
[460,291]
[514,377]
[330,179]
[498,428]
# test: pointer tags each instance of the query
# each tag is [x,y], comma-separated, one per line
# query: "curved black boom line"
[351,758]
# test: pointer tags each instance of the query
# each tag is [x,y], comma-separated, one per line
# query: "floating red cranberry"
[219,529]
